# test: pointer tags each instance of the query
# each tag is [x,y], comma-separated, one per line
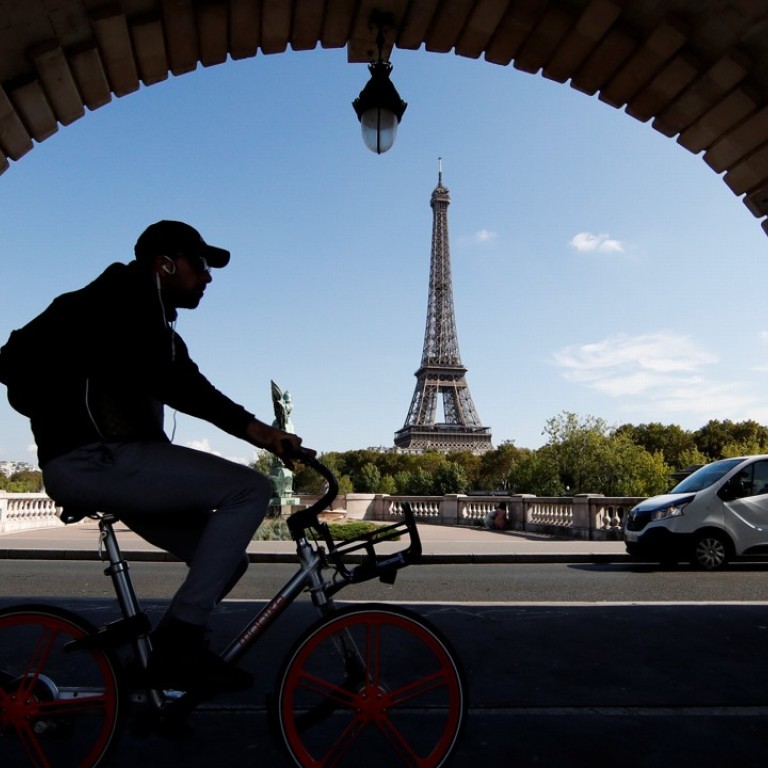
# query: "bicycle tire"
[58,709]
[405,704]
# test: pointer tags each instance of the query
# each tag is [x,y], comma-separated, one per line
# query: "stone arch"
[697,70]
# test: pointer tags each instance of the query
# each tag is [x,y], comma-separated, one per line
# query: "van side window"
[742,484]
[760,482]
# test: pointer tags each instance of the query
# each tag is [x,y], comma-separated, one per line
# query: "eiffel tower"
[441,371]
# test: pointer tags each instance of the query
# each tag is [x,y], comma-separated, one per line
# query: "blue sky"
[598,267]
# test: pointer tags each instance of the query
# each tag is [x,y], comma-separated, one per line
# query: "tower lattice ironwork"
[441,372]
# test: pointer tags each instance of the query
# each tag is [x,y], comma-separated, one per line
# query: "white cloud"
[621,354]
[586,242]
[203,445]
[484,236]
[659,376]
[661,370]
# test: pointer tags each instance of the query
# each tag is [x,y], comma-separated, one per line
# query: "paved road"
[480,582]
[648,686]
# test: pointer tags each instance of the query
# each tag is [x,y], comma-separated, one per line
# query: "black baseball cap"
[173,237]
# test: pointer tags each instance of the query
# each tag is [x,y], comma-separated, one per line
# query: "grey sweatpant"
[201,508]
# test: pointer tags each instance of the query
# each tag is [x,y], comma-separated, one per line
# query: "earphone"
[170,267]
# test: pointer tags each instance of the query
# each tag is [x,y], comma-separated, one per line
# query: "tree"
[367,479]
[716,439]
[263,462]
[633,471]
[496,466]
[449,478]
[580,450]
[535,472]
[387,485]
[593,459]
[417,483]
[692,458]
[470,464]
[672,441]
[28,481]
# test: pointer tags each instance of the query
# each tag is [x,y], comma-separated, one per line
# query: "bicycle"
[369,684]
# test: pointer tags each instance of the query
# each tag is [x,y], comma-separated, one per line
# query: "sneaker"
[180,660]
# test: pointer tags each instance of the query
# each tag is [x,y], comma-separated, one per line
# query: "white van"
[717,513]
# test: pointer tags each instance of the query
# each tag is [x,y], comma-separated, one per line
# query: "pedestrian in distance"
[496,519]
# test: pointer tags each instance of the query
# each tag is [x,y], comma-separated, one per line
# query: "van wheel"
[711,551]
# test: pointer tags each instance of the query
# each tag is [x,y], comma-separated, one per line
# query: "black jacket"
[99,363]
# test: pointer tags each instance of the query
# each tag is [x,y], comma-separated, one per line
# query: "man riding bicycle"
[92,373]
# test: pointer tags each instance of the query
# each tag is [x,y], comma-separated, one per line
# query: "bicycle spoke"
[82,705]
[31,744]
[37,660]
[343,743]
[325,688]
[399,743]
[418,688]
[373,652]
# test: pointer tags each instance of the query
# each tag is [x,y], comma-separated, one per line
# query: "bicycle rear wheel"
[371,685]
[57,709]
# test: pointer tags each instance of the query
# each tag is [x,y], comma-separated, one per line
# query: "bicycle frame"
[313,558]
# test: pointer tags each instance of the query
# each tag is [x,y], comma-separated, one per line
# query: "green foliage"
[497,466]
[388,485]
[450,478]
[276,529]
[535,472]
[592,458]
[582,455]
[351,530]
[263,462]
[367,479]
[692,458]
[721,439]
[273,529]
[417,483]
[635,471]
[28,481]
[675,444]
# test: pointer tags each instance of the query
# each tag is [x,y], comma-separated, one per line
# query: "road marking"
[591,710]
[530,603]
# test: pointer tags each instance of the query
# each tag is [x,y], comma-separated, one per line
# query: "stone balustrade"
[587,516]
[24,511]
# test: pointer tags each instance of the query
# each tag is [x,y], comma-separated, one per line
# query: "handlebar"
[299,521]
[372,566]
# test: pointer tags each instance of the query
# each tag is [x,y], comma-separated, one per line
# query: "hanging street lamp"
[379,107]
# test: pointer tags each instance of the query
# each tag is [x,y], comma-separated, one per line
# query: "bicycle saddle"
[70,515]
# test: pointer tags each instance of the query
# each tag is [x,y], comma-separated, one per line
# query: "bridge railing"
[587,516]
[24,511]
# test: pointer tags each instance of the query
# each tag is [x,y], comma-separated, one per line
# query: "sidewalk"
[441,544]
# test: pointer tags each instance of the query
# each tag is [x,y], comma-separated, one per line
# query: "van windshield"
[704,477]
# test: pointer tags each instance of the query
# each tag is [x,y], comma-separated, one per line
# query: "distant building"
[9,468]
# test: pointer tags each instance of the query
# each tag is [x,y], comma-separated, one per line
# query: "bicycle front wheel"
[57,709]
[374,686]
